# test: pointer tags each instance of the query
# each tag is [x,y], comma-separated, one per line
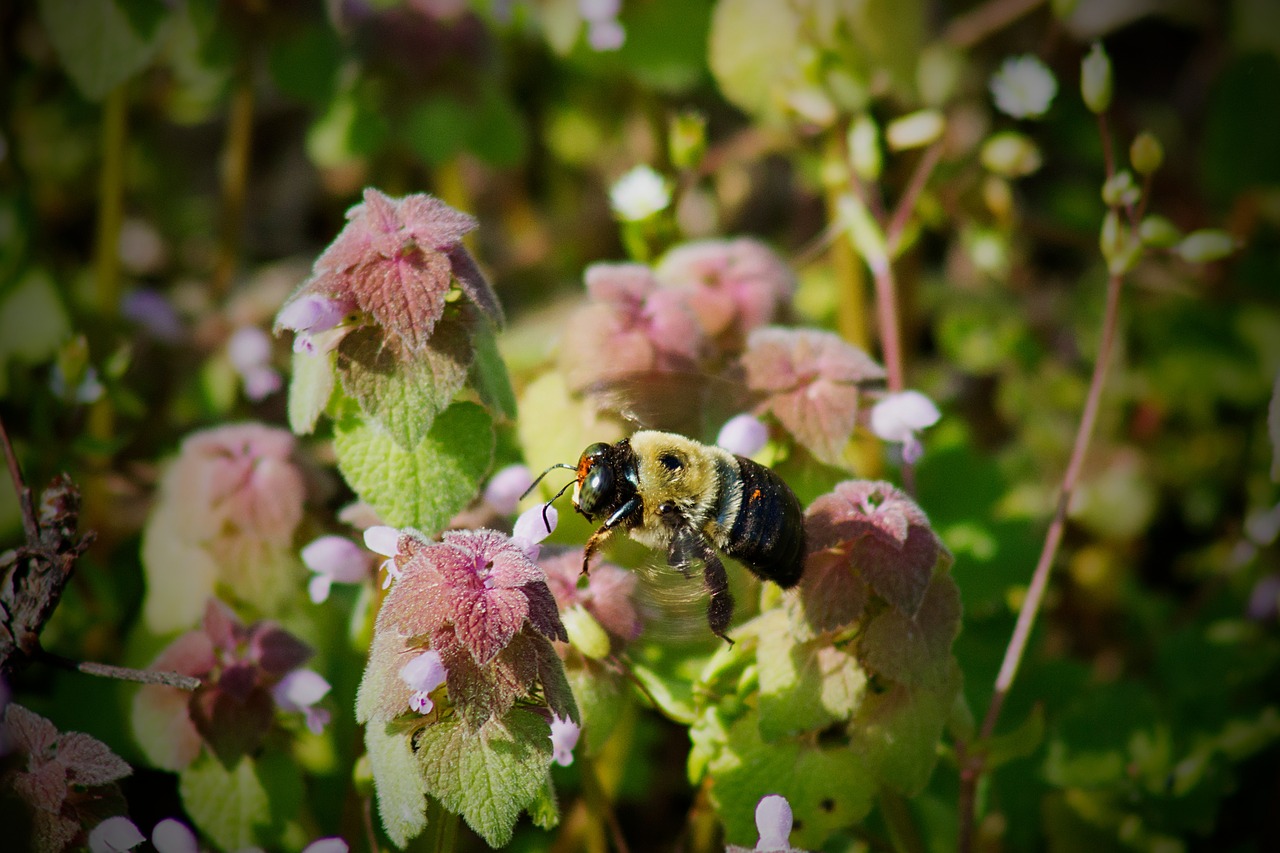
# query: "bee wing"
[690,403]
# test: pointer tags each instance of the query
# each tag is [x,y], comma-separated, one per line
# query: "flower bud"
[915,130]
[1117,244]
[998,196]
[1120,190]
[1205,245]
[1010,154]
[688,139]
[1095,79]
[1158,232]
[1146,153]
[938,74]
[585,633]
[864,148]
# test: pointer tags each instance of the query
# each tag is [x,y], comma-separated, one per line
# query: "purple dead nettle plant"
[247,674]
[472,614]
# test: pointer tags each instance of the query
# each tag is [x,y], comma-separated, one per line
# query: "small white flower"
[334,559]
[505,488]
[534,525]
[424,674]
[744,435]
[773,822]
[898,417]
[639,194]
[564,737]
[605,36]
[385,541]
[174,836]
[326,845]
[115,835]
[1023,87]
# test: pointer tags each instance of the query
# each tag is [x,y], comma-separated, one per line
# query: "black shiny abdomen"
[768,535]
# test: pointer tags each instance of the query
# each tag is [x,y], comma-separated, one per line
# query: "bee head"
[594,491]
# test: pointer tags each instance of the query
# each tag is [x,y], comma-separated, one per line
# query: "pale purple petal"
[532,527]
[599,10]
[299,690]
[318,588]
[261,382]
[899,415]
[773,822]
[743,434]
[150,310]
[383,540]
[1264,599]
[326,845]
[313,313]
[564,737]
[605,35]
[337,558]
[317,719]
[506,487]
[174,836]
[425,672]
[249,347]
[115,834]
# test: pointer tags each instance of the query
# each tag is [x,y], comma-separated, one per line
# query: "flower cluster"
[473,614]
[246,673]
[224,522]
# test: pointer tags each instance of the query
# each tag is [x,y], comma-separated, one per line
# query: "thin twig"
[124,673]
[907,203]
[887,318]
[29,525]
[971,28]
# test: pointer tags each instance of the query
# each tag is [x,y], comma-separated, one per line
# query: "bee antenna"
[534,484]
[546,521]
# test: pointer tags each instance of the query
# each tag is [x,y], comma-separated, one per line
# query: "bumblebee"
[672,494]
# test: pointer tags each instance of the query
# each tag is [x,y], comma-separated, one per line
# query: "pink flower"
[299,691]
[773,822]
[505,488]
[898,417]
[174,836]
[534,525]
[384,540]
[333,559]
[310,316]
[423,674]
[609,595]
[564,737]
[743,434]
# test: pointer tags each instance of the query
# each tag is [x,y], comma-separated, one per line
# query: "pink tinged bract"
[564,737]
[114,835]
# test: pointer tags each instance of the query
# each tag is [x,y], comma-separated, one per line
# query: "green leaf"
[426,486]
[305,64]
[33,324]
[436,129]
[674,696]
[310,387]
[752,51]
[804,687]
[896,732]
[489,376]
[495,130]
[402,804]
[404,390]
[545,810]
[489,776]
[827,788]
[102,43]
[1019,743]
[245,806]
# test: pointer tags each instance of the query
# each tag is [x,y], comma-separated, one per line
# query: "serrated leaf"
[752,50]
[826,788]
[489,776]
[243,806]
[102,43]
[401,792]
[89,761]
[804,687]
[896,732]
[425,487]
[490,378]
[401,389]
[545,811]
[310,387]
[915,649]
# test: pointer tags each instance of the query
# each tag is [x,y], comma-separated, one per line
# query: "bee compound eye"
[597,488]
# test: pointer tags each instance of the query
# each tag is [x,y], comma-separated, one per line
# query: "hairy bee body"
[675,495]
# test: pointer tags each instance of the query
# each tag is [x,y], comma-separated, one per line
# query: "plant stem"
[851,286]
[599,802]
[887,315]
[442,828]
[902,827]
[235,174]
[1053,538]
[124,673]
[907,203]
[972,27]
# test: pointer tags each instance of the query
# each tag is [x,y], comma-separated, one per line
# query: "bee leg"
[682,552]
[720,607]
[597,539]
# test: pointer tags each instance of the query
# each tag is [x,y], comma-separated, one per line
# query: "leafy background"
[218,144]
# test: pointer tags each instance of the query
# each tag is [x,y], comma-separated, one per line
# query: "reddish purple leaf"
[832,596]
[609,595]
[473,283]
[275,650]
[543,613]
[555,684]
[230,726]
[190,654]
[44,787]
[482,692]
[224,628]
[811,383]
[30,732]
[485,621]
[53,833]
[885,535]
[89,761]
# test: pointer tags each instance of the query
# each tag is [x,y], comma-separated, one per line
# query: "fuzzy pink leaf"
[486,621]
[30,732]
[811,383]
[232,728]
[45,787]
[832,596]
[89,761]
[276,650]
[885,534]
[472,282]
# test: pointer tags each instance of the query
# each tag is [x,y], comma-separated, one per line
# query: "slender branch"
[971,28]
[123,673]
[235,174]
[887,316]
[851,285]
[907,203]
[29,524]
[600,804]
[1053,538]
